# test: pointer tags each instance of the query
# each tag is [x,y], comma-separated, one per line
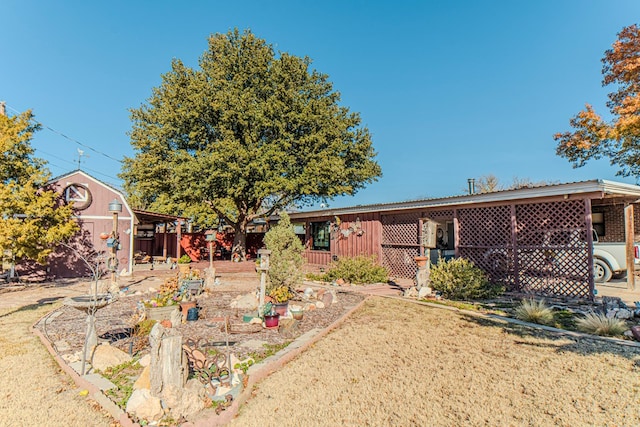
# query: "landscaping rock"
[106,356]
[411,292]
[144,380]
[145,406]
[145,360]
[246,302]
[424,292]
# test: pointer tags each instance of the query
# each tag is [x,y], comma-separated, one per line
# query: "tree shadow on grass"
[584,344]
[30,307]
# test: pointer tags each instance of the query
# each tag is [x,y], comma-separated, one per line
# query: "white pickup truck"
[609,259]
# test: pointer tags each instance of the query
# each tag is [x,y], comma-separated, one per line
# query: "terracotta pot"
[184,268]
[421,260]
[297,314]
[186,305]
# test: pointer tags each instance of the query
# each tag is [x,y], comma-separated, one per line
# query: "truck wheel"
[601,271]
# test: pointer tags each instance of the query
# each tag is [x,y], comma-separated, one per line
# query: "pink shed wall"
[93,220]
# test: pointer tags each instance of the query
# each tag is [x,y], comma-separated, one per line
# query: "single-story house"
[535,240]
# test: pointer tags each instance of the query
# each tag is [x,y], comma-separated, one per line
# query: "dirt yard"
[402,364]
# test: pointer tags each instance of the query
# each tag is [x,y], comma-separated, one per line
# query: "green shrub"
[286,259]
[599,324]
[359,270]
[460,279]
[534,311]
[184,259]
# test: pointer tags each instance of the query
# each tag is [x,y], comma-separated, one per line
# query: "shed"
[535,239]
[91,198]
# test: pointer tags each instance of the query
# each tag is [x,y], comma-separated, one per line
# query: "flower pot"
[281,308]
[161,313]
[192,314]
[184,268]
[185,306]
[421,261]
[297,314]
[271,320]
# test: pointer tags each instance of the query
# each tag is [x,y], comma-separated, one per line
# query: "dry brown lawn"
[401,364]
[33,389]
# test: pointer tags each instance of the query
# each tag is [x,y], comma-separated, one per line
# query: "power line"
[69,138]
[74,163]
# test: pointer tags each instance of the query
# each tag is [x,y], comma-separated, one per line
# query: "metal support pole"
[114,249]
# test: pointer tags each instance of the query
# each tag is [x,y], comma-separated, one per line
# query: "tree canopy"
[593,137]
[247,133]
[32,218]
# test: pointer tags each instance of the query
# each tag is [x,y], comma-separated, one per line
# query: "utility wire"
[69,138]
[74,163]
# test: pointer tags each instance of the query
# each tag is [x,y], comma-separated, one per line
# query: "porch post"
[178,237]
[456,233]
[589,226]
[629,237]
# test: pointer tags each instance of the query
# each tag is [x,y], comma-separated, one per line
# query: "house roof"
[596,188]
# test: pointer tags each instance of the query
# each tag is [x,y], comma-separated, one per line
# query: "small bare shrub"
[534,311]
[599,324]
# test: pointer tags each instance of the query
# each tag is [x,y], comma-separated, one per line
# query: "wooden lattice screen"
[400,240]
[553,254]
[400,243]
[485,239]
[550,256]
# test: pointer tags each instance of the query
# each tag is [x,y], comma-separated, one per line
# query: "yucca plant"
[535,311]
[599,324]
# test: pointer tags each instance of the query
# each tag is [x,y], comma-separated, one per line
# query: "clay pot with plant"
[184,264]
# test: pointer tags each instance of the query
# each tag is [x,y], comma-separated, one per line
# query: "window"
[597,221]
[320,236]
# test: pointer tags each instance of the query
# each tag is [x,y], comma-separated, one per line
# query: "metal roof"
[601,187]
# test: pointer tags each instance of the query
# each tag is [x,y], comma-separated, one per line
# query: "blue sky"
[449,90]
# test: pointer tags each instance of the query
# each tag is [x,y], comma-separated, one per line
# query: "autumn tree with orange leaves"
[618,139]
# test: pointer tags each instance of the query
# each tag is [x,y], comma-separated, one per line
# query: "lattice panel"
[546,216]
[400,261]
[400,229]
[553,255]
[488,227]
[558,271]
[496,262]
[439,215]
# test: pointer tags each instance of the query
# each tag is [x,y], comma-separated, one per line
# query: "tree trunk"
[240,241]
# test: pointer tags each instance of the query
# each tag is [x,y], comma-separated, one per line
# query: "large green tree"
[247,133]
[32,218]
[618,139]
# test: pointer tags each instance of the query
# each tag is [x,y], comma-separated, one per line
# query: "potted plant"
[184,264]
[281,296]
[164,303]
[285,262]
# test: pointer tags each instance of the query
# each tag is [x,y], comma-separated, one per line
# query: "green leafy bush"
[286,259]
[534,311]
[460,279]
[358,270]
